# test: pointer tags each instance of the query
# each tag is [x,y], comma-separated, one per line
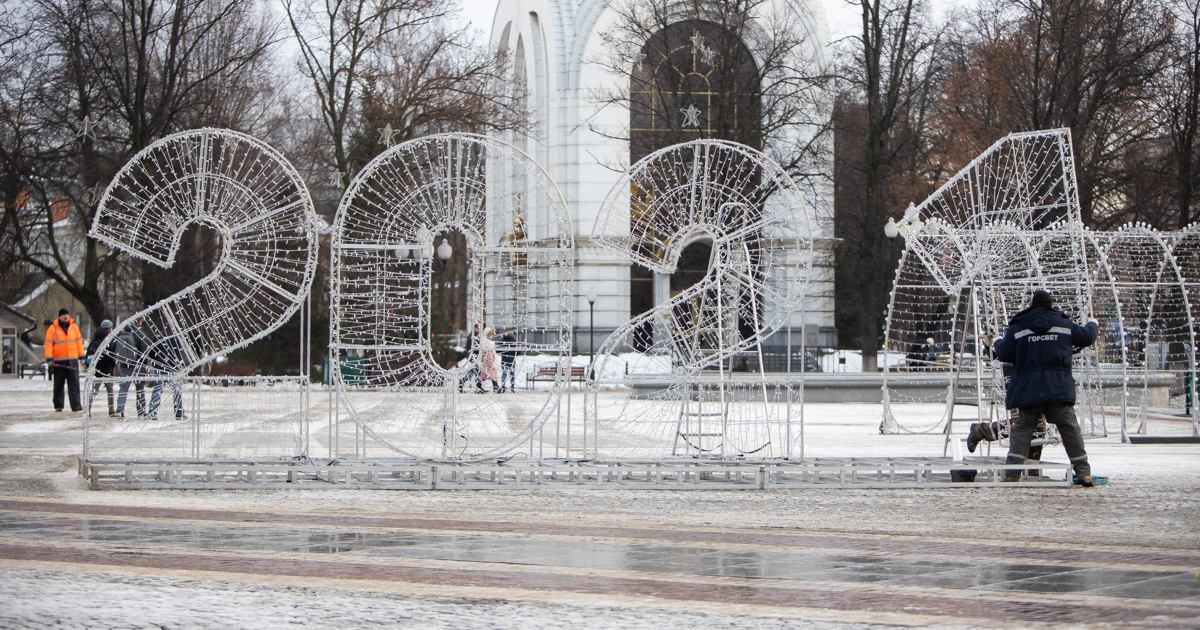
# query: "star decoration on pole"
[691,116]
[708,55]
[697,42]
[638,59]
[387,135]
[337,178]
[88,130]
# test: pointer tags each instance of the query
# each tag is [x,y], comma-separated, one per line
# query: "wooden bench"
[233,373]
[550,372]
[233,369]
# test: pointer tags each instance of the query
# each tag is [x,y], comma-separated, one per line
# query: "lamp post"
[591,298]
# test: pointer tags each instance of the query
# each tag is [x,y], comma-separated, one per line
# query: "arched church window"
[691,80]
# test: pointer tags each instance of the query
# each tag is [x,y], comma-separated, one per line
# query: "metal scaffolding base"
[907,472]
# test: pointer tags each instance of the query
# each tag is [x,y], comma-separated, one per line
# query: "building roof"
[18,313]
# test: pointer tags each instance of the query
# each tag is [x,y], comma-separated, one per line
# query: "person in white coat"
[487,358]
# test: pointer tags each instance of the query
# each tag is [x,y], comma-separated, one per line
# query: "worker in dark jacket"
[1039,343]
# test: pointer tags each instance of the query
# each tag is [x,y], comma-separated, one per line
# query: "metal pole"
[789,342]
[592,336]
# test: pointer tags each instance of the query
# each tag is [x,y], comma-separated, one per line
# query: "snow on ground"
[1153,498]
[48,599]
[25,385]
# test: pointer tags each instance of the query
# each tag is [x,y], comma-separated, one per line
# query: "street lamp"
[444,251]
[911,218]
[591,298]
[891,230]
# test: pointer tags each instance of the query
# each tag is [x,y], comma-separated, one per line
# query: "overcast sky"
[843,17]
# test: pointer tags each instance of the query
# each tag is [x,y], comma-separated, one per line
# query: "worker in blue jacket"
[1039,343]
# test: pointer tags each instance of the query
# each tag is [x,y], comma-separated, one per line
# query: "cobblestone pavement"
[840,579]
[1121,555]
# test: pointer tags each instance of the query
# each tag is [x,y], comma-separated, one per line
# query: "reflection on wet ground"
[967,573]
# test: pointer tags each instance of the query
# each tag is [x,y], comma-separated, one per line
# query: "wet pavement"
[853,574]
[642,558]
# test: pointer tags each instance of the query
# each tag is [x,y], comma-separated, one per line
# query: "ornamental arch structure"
[399,400]
[975,250]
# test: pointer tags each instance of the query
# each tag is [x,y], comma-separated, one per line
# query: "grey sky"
[844,18]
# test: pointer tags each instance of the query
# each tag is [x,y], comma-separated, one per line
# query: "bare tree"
[1180,110]
[435,80]
[338,40]
[891,75]
[1090,65]
[100,80]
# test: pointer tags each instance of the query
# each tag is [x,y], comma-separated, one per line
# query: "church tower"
[610,81]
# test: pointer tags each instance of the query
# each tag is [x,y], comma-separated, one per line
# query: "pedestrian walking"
[487,359]
[166,353]
[472,361]
[132,348]
[1039,343]
[106,364]
[64,347]
[508,361]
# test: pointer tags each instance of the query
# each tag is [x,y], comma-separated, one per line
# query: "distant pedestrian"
[1039,343]
[106,363]
[132,348]
[25,338]
[64,347]
[166,356]
[931,353]
[487,359]
[472,373]
[508,360]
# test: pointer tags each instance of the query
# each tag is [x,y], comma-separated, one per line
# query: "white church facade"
[582,76]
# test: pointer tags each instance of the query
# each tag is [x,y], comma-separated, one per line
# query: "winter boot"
[974,436]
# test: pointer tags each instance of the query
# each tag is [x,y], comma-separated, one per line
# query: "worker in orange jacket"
[64,346]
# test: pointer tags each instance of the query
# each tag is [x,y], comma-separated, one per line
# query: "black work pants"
[66,373]
[1061,415]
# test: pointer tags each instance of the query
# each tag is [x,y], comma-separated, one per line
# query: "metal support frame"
[1007,224]
[666,383]
[880,473]
[520,277]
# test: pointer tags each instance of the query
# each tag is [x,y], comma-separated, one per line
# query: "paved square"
[1121,555]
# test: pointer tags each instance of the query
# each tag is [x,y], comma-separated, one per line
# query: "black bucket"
[966,475]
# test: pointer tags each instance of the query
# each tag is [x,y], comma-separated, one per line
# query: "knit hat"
[63,311]
[1041,298]
[106,323]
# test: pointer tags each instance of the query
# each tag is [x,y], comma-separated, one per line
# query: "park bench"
[550,372]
